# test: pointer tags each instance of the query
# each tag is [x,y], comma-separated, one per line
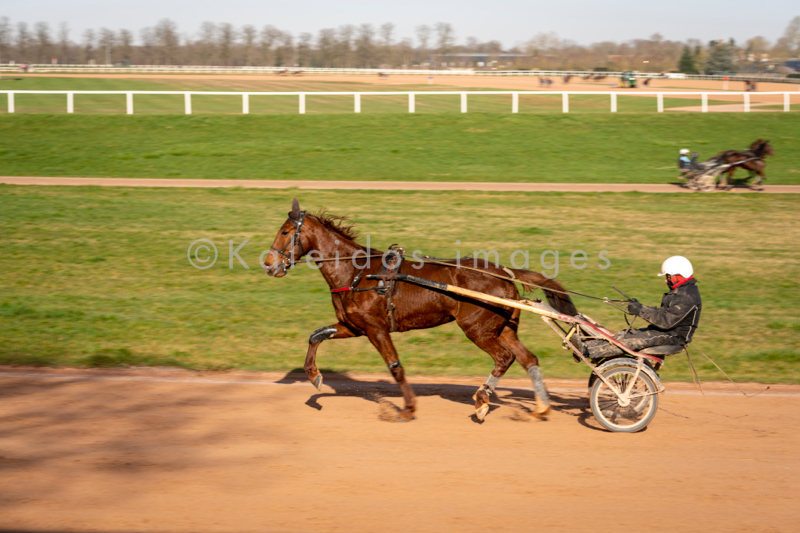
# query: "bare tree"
[424,33]
[125,44]
[107,41]
[326,46]
[44,42]
[387,40]
[88,45]
[208,42]
[405,51]
[63,43]
[445,38]
[792,37]
[148,37]
[166,38]
[226,38]
[269,38]
[5,39]
[345,44]
[284,55]
[249,41]
[23,41]
[365,47]
[304,51]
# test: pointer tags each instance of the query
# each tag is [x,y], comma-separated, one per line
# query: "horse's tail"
[556,295]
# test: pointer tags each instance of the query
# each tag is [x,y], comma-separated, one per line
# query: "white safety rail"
[289,71]
[357,96]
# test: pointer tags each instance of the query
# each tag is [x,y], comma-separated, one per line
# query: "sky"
[511,22]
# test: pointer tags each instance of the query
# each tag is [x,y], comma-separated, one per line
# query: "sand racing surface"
[171,451]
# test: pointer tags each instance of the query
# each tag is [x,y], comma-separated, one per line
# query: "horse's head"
[288,246]
[767,148]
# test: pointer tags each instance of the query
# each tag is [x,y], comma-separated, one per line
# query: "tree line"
[367,46]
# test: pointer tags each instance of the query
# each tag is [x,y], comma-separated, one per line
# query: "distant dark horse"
[756,164]
[366,313]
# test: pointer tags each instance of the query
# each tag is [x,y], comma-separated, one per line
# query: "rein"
[295,241]
[435,261]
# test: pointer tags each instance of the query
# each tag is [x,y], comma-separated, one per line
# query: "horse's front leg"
[336,331]
[382,341]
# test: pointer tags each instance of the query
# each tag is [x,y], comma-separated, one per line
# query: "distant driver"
[684,163]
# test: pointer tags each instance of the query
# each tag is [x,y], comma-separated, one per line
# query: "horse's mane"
[342,226]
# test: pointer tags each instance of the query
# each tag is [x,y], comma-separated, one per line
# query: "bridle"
[288,261]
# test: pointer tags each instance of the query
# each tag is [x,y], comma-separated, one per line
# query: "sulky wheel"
[621,415]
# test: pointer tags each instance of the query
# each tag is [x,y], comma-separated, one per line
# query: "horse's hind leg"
[503,359]
[336,331]
[531,365]
[487,341]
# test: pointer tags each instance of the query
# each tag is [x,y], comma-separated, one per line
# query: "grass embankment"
[95,276]
[624,148]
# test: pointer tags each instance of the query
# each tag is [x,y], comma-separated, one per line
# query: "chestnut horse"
[753,161]
[365,312]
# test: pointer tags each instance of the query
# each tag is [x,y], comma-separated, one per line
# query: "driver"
[684,163]
[672,323]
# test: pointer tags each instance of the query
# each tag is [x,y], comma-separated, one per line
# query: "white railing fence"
[565,97]
[196,69]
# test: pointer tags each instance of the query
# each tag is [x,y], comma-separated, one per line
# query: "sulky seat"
[664,350]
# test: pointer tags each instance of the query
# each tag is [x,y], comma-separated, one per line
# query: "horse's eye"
[284,233]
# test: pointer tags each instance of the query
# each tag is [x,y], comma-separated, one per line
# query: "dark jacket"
[679,313]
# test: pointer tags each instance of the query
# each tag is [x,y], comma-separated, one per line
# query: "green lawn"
[601,148]
[100,276]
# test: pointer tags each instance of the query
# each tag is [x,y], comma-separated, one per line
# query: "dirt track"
[381,185]
[167,452]
[521,83]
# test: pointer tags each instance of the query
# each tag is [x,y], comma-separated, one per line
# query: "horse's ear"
[295,212]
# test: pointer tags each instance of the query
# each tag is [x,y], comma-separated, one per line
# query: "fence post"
[515,103]
[10,102]
[302,103]
[565,102]
[129,103]
[786,106]
[746,102]
[357,102]
[463,102]
[704,104]
[660,102]
[411,103]
[70,102]
[613,102]
[245,104]
[187,103]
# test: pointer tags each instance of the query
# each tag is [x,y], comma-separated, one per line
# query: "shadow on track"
[518,404]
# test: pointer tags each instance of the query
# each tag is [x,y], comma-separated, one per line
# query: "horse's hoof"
[482,411]
[405,415]
[541,413]
[318,382]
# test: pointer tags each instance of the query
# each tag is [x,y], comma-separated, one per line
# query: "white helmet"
[677,264]
[684,151]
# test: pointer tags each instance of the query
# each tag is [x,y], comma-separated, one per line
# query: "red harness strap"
[343,289]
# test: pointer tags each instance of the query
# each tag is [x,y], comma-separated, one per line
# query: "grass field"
[97,276]
[603,148]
